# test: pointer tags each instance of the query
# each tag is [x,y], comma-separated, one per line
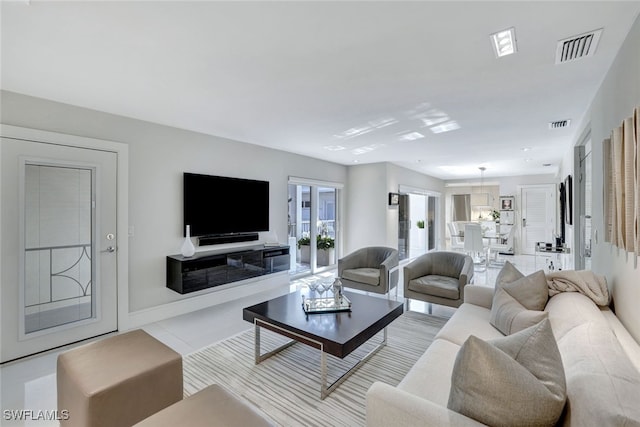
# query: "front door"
[538,216]
[58,253]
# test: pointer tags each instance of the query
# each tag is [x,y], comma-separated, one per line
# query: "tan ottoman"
[211,407]
[118,381]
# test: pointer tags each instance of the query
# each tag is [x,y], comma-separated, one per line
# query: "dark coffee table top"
[340,333]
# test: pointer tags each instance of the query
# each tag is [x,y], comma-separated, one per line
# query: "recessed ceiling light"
[525,149]
[504,42]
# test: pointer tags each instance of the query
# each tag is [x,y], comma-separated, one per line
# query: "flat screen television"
[217,205]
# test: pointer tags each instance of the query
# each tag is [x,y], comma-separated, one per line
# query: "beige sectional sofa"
[601,365]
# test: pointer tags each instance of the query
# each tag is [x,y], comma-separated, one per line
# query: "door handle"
[524,222]
[110,249]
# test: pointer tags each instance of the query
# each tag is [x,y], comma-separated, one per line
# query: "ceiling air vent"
[559,124]
[577,47]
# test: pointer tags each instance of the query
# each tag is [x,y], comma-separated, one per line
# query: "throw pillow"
[518,300]
[531,291]
[516,380]
[509,273]
[509,316]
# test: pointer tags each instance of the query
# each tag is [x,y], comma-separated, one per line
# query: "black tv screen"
[222,205]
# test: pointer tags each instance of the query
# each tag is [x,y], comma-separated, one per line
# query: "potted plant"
[326,249]
[420,223]
[495,215]
[325,246]
[303,244]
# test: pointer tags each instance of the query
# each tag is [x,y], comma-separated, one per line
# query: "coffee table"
[337,334]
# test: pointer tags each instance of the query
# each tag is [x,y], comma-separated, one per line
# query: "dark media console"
[214,268]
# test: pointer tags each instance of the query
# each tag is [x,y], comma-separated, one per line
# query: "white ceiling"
[339,81]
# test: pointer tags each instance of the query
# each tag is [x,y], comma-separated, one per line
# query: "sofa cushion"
[602,385]
[570,309]
[468,320]
[440,286]
[430,376]
[370,276]
[509,316]
[514,380]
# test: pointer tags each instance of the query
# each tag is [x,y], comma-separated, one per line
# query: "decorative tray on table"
[325,305]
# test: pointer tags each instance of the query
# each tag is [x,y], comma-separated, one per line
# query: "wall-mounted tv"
[215,205]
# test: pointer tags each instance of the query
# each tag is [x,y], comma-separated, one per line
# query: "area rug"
[286,386]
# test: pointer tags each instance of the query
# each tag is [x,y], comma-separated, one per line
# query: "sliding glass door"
[313,225]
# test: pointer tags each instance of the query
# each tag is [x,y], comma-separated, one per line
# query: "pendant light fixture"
[481,200]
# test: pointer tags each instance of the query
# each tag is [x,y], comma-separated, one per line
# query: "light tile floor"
[30,383]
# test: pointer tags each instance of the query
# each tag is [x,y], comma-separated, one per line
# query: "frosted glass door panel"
[58,268]
[59,246]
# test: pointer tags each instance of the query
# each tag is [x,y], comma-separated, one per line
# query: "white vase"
[187,246]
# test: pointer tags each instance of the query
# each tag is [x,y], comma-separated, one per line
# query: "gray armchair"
[438,278]
[367,269]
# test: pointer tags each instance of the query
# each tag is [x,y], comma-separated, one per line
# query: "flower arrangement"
[322,242]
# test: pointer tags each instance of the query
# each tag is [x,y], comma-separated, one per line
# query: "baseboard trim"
[207,298]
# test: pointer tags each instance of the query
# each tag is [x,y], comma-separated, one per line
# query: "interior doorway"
[417,222]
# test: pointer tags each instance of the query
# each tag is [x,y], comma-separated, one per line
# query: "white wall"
[370,221]
[367,207]
[158,155]
[509,184]
[614,101]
